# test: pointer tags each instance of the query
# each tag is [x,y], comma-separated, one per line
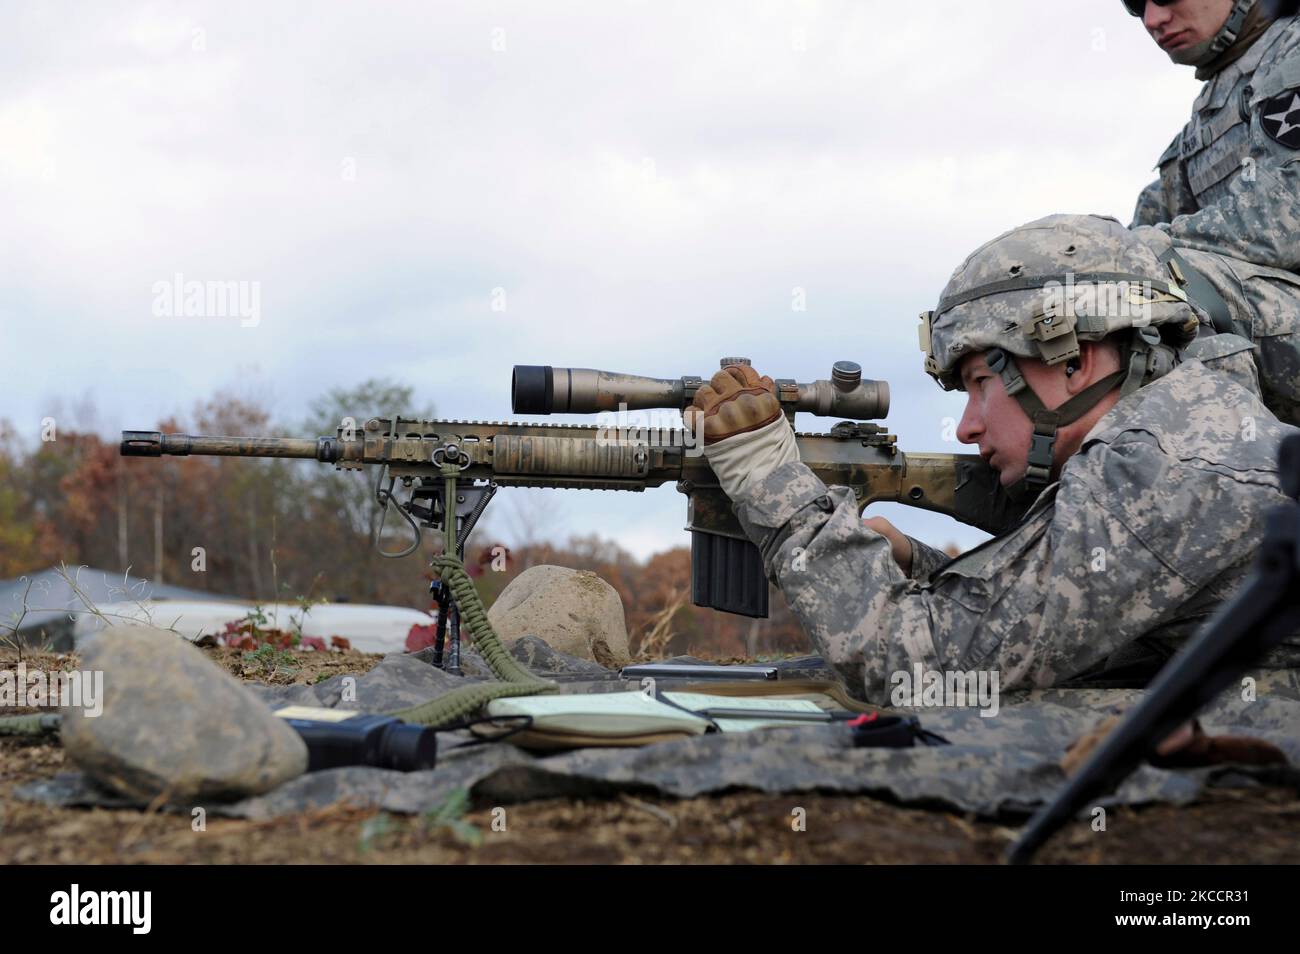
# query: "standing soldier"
[1231,169]
[1226,208]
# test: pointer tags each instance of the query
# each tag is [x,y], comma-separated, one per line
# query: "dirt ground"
[1252,826]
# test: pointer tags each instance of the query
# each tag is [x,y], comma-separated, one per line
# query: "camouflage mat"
[1002,766]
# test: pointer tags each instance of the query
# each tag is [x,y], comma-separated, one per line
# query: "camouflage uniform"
[1237,185]
[1263,305]
[1153,522]
[1131,541]
[1228,197]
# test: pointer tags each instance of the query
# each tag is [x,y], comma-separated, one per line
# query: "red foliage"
[245,634]
[313,642]
[420,637]
[341,644]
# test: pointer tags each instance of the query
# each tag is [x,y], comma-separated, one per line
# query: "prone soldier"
[1149,470]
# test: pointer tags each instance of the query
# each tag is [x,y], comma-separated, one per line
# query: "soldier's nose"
[970,427]
[1155,16]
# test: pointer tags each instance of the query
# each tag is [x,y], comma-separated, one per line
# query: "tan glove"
[1187,747]
[735,401]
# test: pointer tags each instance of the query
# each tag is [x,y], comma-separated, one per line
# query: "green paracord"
[29,724]
[515,679]
[448,708]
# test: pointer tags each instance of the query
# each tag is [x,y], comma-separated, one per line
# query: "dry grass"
[658,633]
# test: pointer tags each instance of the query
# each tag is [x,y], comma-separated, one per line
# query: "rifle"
[451,469]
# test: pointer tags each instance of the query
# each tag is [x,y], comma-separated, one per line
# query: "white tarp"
[369,628]
[41,604]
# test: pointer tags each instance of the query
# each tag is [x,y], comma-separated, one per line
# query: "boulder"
[173,723]
[573,611]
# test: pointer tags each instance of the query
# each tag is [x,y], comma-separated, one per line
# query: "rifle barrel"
[581,456]
[156,444]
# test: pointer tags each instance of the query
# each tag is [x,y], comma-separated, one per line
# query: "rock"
[572,611]
[398,681]
[174,723]
[535,653]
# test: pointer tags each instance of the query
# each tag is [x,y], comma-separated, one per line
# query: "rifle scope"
[542,389]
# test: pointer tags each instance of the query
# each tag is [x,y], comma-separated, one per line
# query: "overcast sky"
[642,185]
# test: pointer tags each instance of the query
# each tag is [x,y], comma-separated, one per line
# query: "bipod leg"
[453,654]
[442,595]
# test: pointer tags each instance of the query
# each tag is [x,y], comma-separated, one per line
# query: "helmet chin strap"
[1205,52]
[1145,359]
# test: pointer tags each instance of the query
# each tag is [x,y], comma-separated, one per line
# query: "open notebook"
[633,718]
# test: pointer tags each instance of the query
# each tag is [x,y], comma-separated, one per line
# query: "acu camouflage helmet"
[1041,289]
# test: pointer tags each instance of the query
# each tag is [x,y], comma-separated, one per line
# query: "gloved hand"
[1187,747]
[746,436]
[735,401]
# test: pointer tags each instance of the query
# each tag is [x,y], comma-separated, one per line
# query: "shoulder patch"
[1280,118]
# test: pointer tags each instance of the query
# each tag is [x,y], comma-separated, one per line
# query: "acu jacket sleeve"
[1098,562]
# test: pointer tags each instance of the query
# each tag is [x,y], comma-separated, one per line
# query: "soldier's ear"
[1079,372]
[1095,360]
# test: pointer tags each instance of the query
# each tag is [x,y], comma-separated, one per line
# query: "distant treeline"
[267,529]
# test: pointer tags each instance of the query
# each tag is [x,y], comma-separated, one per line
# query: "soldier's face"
[994,420]
[1185,24]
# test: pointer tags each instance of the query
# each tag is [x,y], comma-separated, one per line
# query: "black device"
[875,731]
[379,741]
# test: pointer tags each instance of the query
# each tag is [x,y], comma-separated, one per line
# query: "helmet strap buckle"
[1004,366]
[1042,444]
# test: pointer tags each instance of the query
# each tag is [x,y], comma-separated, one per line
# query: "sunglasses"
[1138,7]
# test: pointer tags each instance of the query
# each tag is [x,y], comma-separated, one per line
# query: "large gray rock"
[175,724]
[573,611]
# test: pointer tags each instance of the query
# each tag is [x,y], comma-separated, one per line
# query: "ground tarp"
[1002,766]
